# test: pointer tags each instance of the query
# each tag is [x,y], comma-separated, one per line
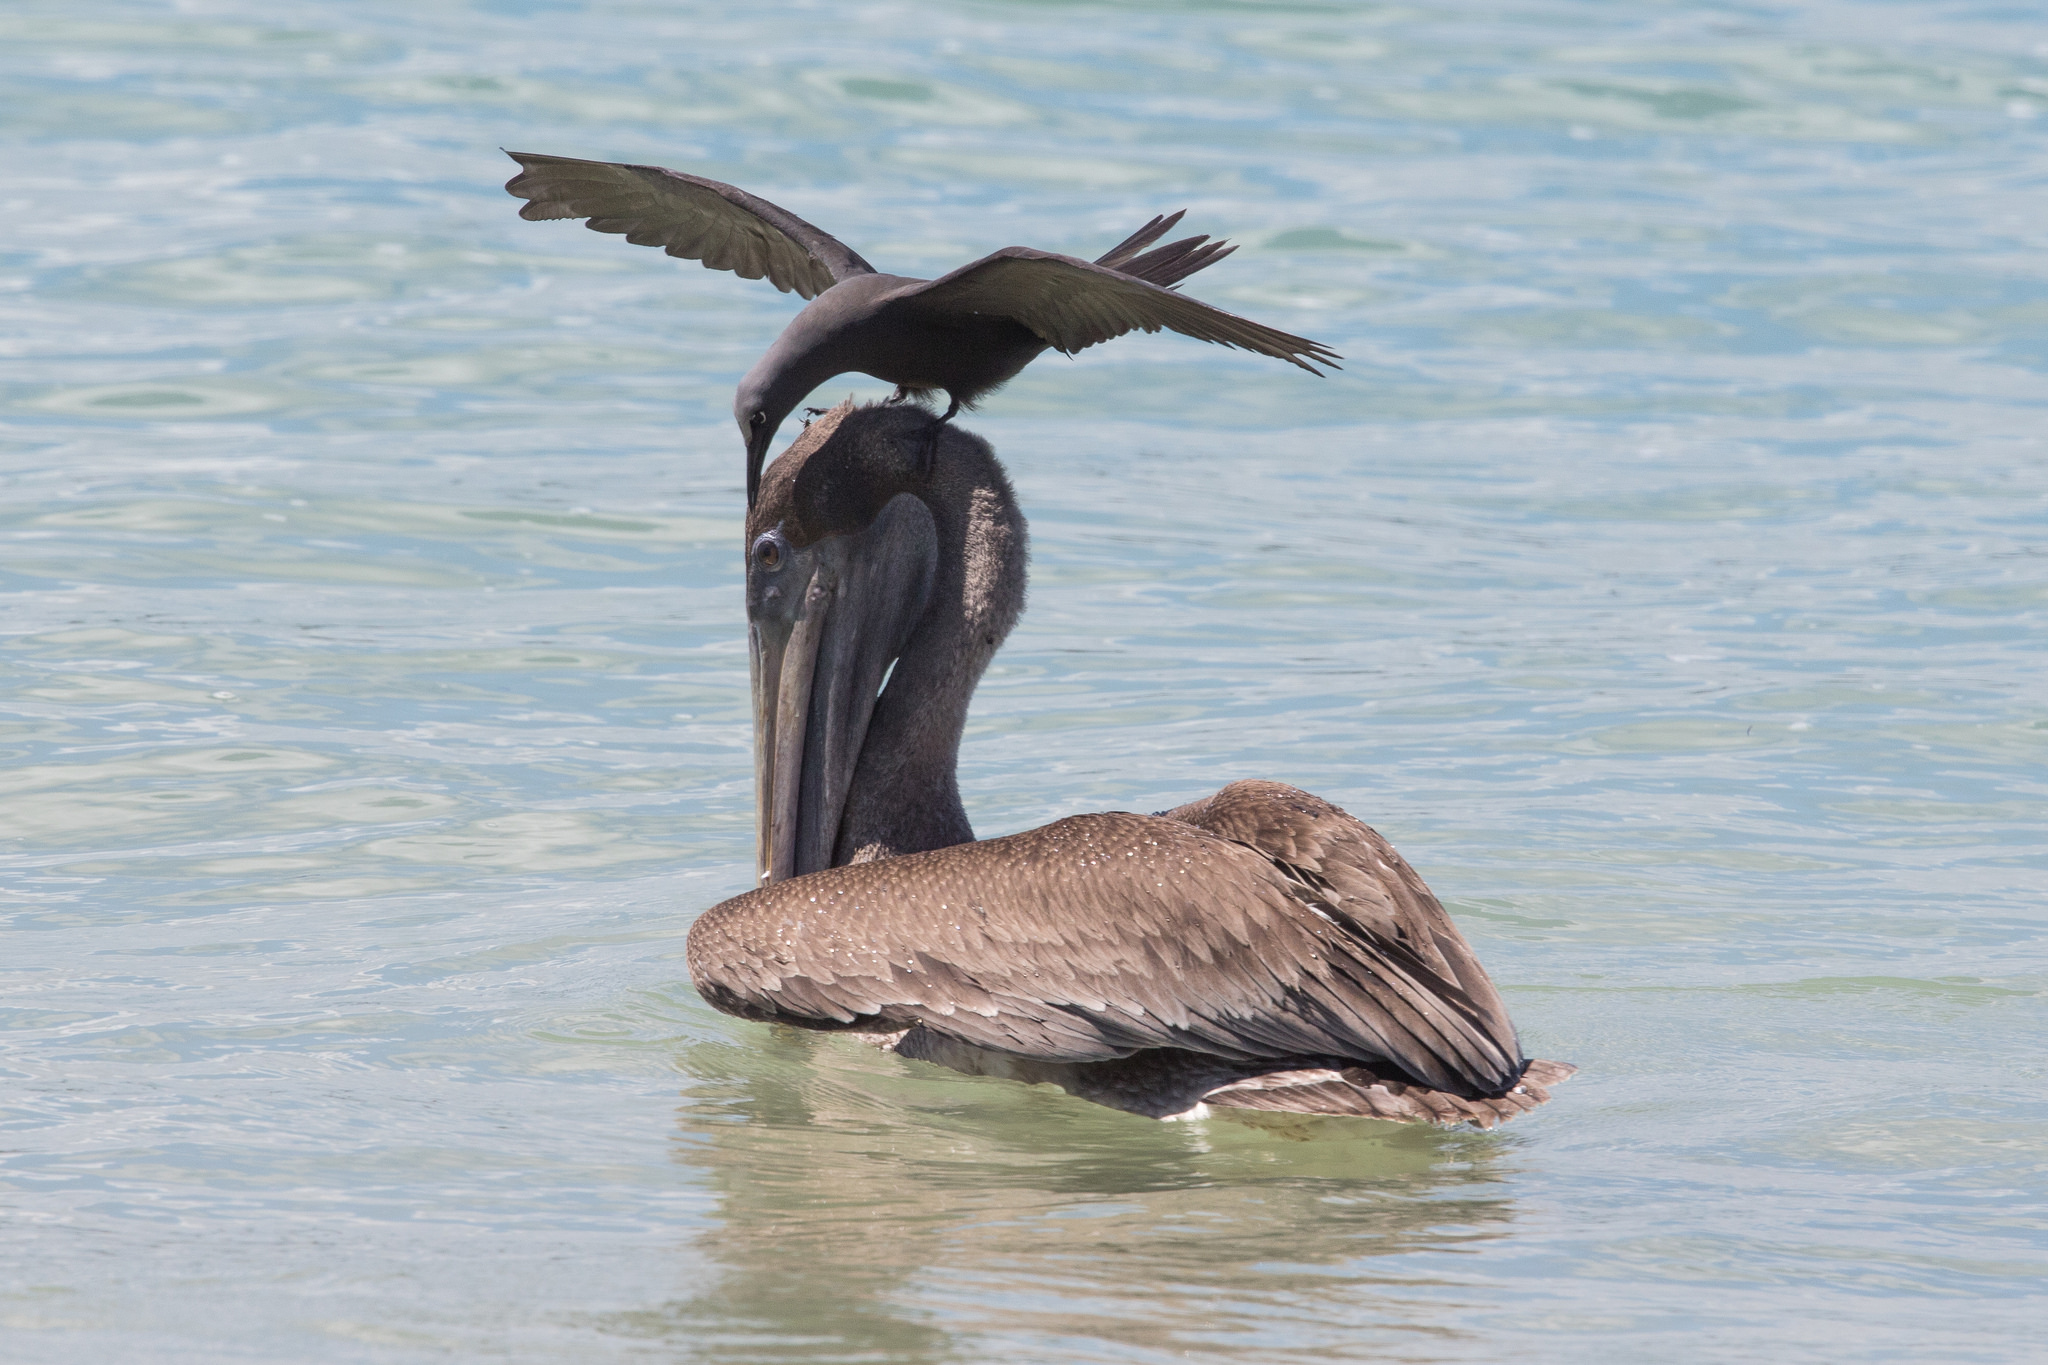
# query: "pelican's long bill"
[824,623]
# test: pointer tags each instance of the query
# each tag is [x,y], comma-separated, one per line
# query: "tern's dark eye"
[767,554]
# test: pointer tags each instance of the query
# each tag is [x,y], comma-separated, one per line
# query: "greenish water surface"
[1665,574]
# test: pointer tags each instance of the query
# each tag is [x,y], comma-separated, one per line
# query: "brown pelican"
[967,333]
[1256,949]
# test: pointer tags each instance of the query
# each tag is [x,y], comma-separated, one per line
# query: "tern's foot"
[928,456]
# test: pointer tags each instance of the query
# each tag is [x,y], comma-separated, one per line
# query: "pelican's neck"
[905,796]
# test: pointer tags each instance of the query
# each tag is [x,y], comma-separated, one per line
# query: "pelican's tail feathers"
[1169,1083]
[1361,1092]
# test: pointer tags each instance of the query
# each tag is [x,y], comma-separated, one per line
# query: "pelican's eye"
[767,554]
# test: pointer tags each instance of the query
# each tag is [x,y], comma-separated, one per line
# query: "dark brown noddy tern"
[1255,949]
[966,333]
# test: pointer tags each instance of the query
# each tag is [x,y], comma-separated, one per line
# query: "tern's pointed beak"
[759,437]
[825,622]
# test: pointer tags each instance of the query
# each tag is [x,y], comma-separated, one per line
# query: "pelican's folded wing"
[1354,874]
[691,217]
[1072,304]
[1089,939]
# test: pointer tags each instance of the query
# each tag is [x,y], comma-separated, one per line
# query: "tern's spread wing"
[697,219]
[1074,304]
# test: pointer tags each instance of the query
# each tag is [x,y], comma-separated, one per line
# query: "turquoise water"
[1665,574]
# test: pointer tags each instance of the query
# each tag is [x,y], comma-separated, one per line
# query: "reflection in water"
[853,1183]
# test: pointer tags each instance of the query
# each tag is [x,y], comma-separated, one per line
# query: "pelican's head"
[841,559]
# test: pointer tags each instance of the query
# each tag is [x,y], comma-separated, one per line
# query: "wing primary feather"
[1116,257]
[1169,265]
